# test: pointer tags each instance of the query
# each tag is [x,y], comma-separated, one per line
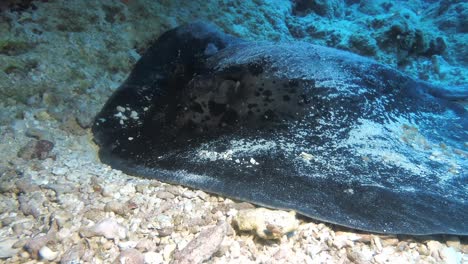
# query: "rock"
[70,125]
[94,215]
[325,8]
[34,245]
[165,195]
[8,221]
[385,256]
[363,44]
[435,248]
[127,245]
[175,190]
[60,189]
[377,243]
[36,149]
[267,224]
[361,255]
[165,231]
[188,194]
[168,250]
[73,255]
[117,207]
[39,134]
[47,254]
[449,255]
[454,242]
[283,254]
[203,246]
[107,228]
[32,204]
[391,241]
[423,250]
[6,248]
[145,245]
[127,190]
[59,171]
[131,256]
[141,188]
[109,190]
[153,258]
[8,186]
[374,7]
[342,241]
[25,186]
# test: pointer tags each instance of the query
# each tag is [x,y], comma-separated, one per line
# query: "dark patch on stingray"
[330,134]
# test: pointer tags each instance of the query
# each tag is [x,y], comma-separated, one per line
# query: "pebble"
[32,204]
[36,149]
[127,244]
[59,171]
[47,253]
[71,125]
[203,246]
[107,228]
[342,241]
[435,247]
[145,245]
[165,195]
[188,194]
[165,231]
[449,255]
[168,250]
[127,190]
[7,186]
[25,186]
[377,244]
[39,134]
[116,207]
[175,190]
[360,255]
[6,248]
[141,188]
[267,224]
[423,250]
[131,256]
[390,242]
[153,258]
[34,245]
[73,255]
[110,190]
[454,242]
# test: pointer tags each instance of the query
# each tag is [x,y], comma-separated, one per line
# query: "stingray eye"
[210,49]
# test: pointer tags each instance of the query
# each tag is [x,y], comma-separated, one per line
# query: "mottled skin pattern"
[330,134]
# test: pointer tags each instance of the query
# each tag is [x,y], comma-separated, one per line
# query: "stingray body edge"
[329,134]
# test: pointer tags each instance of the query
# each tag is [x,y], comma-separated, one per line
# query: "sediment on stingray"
[333,135]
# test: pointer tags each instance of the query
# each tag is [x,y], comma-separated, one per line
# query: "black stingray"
[330,134]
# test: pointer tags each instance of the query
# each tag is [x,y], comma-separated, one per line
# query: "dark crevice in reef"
[18,5]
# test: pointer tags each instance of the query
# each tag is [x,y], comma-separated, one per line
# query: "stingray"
[332,135]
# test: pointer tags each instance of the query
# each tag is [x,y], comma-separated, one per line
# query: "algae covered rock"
[267,224]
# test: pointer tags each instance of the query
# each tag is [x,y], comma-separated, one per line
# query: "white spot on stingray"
[381,142]
[253,161]
[134,115]
[306,156]
[120,108]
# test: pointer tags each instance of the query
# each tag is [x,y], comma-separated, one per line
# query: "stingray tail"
[451,93]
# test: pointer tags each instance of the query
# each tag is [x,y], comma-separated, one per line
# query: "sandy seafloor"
[61,60]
